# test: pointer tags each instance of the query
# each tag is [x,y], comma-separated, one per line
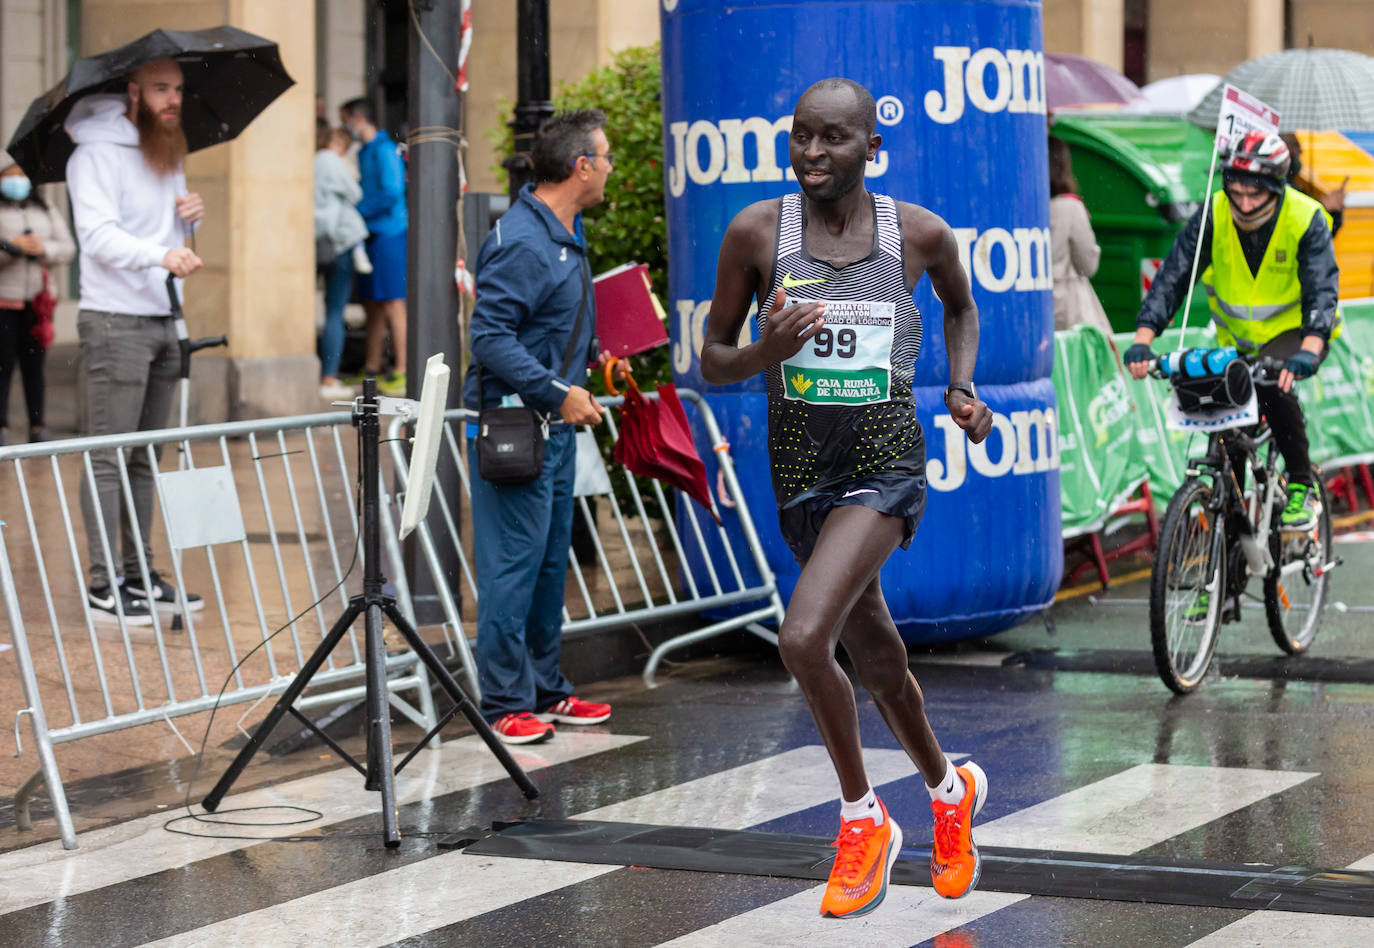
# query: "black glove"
[1302,364]
[1140,352]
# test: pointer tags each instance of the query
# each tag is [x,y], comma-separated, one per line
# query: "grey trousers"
[132,364]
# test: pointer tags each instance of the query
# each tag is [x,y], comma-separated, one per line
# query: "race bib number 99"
[849,361]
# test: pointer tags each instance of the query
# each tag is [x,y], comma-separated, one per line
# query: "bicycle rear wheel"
[1295,591]
[1188,586]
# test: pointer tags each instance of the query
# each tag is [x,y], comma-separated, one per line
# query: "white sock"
[866,807]
[950,789]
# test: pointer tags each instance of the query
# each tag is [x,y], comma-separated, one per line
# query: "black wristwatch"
[966,387]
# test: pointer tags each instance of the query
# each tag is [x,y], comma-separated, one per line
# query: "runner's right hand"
[790,327]
[182,261]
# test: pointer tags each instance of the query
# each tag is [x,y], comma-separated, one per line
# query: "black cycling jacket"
[1317,272]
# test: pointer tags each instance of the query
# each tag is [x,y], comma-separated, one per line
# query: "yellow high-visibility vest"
[1252,308]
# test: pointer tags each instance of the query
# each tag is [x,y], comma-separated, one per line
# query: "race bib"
[849,362]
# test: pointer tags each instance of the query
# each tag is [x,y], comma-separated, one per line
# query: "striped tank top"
[842,408]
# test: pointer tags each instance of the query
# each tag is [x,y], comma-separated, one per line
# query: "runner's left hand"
[972,415]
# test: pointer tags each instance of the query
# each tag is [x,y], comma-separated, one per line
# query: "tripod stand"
[379,773]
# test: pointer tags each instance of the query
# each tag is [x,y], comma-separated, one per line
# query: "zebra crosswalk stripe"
[1136,808]
[908,915]
[394,905]
[1284,929]
[753,793]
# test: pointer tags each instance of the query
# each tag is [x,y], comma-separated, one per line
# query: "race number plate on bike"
[849,361]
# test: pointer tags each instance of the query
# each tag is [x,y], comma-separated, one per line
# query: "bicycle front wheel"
[1295,591]
[1188,586]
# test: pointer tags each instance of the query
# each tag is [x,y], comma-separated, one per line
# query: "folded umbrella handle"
[608,373]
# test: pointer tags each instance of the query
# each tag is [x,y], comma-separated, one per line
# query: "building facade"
[1156,39]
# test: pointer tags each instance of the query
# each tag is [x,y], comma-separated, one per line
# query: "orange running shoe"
[863,862]
[954,861]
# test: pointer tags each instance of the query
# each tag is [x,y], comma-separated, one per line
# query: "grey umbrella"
[1321,89]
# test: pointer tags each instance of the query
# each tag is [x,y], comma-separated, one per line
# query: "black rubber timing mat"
[1062,874]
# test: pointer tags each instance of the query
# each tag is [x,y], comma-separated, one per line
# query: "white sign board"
[200,507]
[1242,113]
[1175,419]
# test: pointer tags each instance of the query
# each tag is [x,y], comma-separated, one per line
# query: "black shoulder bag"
[510,440]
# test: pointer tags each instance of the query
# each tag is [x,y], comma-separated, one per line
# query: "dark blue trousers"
[520,545]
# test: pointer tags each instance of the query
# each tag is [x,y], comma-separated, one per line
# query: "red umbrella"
[656,440]
[1077,80]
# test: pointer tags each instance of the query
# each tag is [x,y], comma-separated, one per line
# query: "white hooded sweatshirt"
[125,213]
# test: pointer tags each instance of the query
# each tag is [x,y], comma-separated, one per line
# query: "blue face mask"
[15,187]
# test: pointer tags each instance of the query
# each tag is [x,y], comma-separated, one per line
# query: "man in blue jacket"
[383,207]
[532,281]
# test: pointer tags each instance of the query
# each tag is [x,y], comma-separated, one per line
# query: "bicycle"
[1216,535]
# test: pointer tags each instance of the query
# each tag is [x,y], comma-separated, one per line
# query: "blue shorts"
[387,281]
[895,493]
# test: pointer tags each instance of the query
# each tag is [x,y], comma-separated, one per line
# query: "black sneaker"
[164,595]
[102,602]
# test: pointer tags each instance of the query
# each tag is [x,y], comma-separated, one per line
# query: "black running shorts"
[897,493]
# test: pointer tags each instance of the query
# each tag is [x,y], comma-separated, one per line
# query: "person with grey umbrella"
[132,214]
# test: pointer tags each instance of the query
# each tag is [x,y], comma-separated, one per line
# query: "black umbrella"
[230,77]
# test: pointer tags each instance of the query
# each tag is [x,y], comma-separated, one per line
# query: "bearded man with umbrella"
[113,127]
[132,214]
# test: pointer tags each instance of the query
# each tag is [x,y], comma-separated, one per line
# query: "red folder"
[629,318]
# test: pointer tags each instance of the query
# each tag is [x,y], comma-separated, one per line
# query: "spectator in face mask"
[33,237]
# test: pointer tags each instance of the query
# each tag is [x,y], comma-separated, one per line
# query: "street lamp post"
[532,104]
[432,298]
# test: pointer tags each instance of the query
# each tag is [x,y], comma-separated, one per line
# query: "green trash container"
[1141,178]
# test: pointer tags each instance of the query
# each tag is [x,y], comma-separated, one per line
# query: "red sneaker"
[573,710]
[522,728]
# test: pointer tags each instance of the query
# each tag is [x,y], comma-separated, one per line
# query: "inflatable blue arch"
[961,108]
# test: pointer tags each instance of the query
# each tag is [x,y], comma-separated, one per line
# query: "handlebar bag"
[1210,392]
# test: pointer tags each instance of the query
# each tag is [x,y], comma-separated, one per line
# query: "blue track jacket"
[529,287]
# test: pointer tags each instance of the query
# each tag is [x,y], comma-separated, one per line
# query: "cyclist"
[1270,272]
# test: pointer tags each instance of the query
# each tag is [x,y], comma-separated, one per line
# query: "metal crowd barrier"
[260,518]
[257,517]
[641,571]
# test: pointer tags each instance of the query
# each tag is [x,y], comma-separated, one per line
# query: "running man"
[833,269]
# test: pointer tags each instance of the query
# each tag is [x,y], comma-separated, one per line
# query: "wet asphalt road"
[1219,801]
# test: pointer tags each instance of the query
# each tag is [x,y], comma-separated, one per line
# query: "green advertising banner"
[1339,400]
[1098,461]
[1112,430]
